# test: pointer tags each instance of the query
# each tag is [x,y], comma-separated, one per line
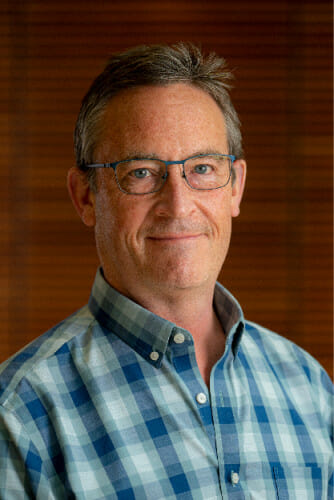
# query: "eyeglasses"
[148,175]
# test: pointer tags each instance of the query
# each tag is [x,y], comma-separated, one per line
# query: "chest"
[151,433]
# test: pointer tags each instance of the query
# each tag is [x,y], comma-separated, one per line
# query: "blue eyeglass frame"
[114,164]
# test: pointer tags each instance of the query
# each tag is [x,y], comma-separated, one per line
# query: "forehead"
[176,115]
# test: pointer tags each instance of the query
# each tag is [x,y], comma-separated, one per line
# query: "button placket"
[183,348]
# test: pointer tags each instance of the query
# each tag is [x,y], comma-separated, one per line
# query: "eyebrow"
[152,156]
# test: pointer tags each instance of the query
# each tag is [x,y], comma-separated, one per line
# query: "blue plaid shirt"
[110,404]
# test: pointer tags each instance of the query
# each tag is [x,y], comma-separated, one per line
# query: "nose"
[176,198]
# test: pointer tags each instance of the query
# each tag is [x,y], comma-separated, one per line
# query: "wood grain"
[280,261]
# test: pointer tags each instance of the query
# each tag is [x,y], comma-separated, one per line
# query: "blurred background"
[280,262]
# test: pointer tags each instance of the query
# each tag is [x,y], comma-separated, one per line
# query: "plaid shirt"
[110,404]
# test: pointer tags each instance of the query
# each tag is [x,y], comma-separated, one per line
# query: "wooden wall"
[280,265]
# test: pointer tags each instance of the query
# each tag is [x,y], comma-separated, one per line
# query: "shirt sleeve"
[326,407]
[15,447]
[22,474]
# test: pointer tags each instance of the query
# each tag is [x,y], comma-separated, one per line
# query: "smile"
[174,237]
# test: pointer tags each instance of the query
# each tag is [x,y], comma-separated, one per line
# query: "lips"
[174,237]
[177,232]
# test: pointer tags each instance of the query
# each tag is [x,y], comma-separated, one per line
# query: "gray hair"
[153,65]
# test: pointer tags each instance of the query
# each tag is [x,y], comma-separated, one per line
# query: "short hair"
[153,65]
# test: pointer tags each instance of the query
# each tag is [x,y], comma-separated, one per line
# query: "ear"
[82,196]
[238,186]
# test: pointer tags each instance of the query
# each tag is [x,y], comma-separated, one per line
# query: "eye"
[202,168]
[140,173]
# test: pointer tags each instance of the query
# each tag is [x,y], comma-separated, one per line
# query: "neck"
[192,310]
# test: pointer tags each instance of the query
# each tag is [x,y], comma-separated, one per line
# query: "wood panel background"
[280,261]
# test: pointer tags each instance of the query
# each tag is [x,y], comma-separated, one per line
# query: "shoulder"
[42,352]
[279,350]
[291,377]
[292,366]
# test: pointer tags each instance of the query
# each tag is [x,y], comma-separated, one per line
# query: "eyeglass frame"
[114,165]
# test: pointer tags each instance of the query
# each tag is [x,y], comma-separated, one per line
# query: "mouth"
[174,237]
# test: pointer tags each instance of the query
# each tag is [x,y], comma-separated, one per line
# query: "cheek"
[118,219]
[219,211]
[106,220]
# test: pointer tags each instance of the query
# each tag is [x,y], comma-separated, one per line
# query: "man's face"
[178,238]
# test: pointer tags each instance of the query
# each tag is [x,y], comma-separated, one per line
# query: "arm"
[22,471]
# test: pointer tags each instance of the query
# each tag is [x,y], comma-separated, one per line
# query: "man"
[159,388]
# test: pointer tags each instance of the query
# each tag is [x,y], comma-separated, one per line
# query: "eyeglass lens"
[143,176]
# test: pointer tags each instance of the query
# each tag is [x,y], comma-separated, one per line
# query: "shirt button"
[179,338]
[154,356]
[234,478]
[201,398]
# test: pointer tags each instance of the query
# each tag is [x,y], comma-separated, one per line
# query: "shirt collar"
[230,316]
[147,333]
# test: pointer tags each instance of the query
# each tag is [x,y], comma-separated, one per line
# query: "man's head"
[175,239]
[154,65]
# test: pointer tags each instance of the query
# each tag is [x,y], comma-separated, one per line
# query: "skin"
[164,250]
